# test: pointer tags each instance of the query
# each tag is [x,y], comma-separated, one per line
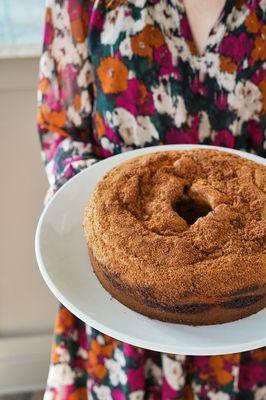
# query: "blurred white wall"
[27,308]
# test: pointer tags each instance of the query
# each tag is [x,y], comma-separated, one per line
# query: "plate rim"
[223,349]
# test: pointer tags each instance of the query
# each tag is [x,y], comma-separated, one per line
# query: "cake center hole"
[191,210]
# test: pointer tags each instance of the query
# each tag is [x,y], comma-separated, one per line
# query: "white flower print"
[178,48]
[235,374]
[173,372]
[263,5]
[63,354]
[47,64]
[83,353]
[64,52]
[165,103]
[152,370]
[138,3]
[88,330]
[245,100]
[117,21]
[60,16]
[180,111]
[166,16]
[196,389]
[125,48]
[85,102]
[217,35]
[116,373]
[115,367]
[237,17]
[74,116]
[119,356]
[133,130]
[60,375]
[82,50]
[260,393]
[106,144]
[209,64]
[137,395]
[103,392]
[100,339]
[218,396]
[48,395]
[226,80]
[85,75]
[204,127]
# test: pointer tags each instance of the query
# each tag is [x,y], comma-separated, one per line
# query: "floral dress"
[116,75]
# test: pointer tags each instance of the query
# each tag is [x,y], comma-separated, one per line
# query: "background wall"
[27,308]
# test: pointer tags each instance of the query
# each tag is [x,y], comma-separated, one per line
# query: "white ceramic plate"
[64,264]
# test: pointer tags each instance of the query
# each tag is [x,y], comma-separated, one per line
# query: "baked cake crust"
[153,252]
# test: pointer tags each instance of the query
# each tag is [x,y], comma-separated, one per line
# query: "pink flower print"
[132,351]
[221,101]
[167,392]
[52,101]
[118,395]
[180,136]
[68,78]
[48,34]
[74,10]
[247,377]
[236,47]
[136,378]
[258,76]
[185,29]
[136,99]
[106,153]
[163,58]
[198,87]
[224,138]
[201,364]
[255,133]
[97,20]
[111,134]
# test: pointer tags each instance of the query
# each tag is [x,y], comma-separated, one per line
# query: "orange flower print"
[192,47]
[113,75]
[252,23]
[188,393]
[222,376]
[77,102]
[52,120]
[78,30]
[44,85]
[48,15]
[54,356]
[259,50]
[64,320]
[99,125]
[142,44]
[78,394]
[227,65]
[97,354]
[154,36]
[259,354]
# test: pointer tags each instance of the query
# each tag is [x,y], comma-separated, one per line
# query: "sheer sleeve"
[65,91]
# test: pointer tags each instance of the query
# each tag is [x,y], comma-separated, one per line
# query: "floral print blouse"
[116,75]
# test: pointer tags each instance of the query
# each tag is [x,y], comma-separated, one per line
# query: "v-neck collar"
[227,8]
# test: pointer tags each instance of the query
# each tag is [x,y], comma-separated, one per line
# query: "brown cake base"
[232,309]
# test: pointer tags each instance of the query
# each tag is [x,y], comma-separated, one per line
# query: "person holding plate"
[117,75]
